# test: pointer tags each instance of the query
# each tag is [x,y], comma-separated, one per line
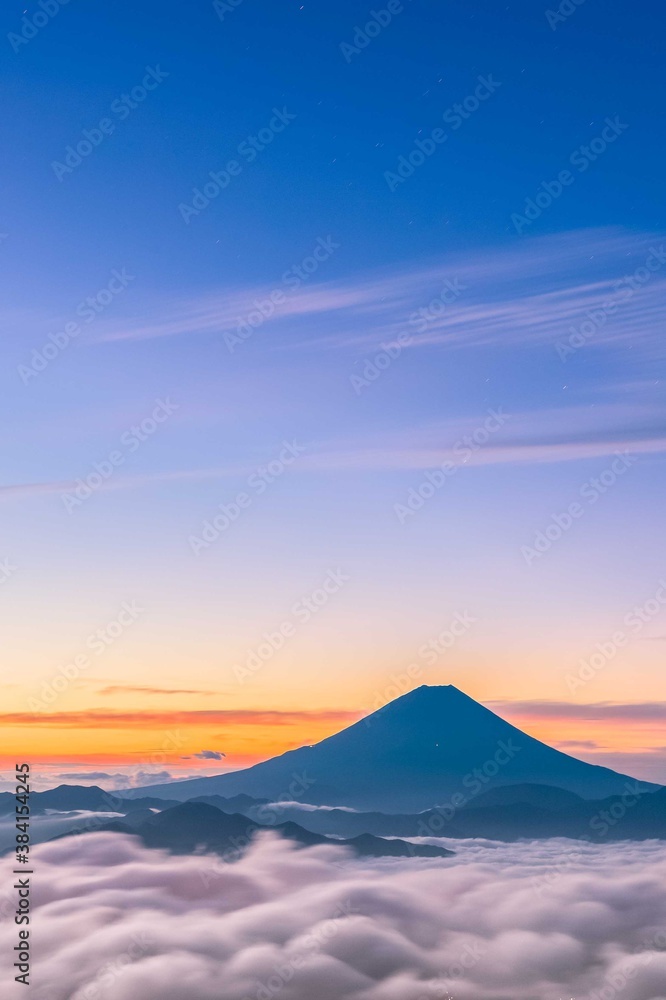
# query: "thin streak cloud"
[95,718]
[637,712]
[129,689]
[567,434]
[569,274]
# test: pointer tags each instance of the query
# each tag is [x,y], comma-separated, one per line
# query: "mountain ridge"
[193,826]
[423,749]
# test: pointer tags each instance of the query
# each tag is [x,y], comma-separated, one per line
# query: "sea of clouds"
[544,920]
[53,824]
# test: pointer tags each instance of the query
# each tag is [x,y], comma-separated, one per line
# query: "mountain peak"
[428,704]
[418,751]
[437,693]
[434,690]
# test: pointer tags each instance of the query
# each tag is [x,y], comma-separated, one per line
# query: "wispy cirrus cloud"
[565,434]
[610,722]
[131,689]
[521,294]
[513,293]
[595,711]
[389,458]
[647,764]
[577,745]
[10,490]
[99,719]
[86,775]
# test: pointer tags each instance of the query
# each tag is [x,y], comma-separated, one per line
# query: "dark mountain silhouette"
[343,823]
[193,826]
[136,817]
[421,750]
[376,847]
[543,796]
[66,798]
[507,813]
[236,803]
[635,815]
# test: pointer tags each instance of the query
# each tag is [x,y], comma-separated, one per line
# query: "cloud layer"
[569,275]
[115,921]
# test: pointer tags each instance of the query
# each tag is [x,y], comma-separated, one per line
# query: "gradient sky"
[172,332]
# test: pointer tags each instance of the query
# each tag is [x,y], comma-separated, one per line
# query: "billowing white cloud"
[535,921]
[307,807]
[53,824]
[138,778]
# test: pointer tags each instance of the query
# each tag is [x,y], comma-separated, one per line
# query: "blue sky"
[479,311]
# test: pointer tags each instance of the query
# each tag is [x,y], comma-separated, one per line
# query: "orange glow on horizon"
[104,738]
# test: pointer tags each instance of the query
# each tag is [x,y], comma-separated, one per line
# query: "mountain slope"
[419,751]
